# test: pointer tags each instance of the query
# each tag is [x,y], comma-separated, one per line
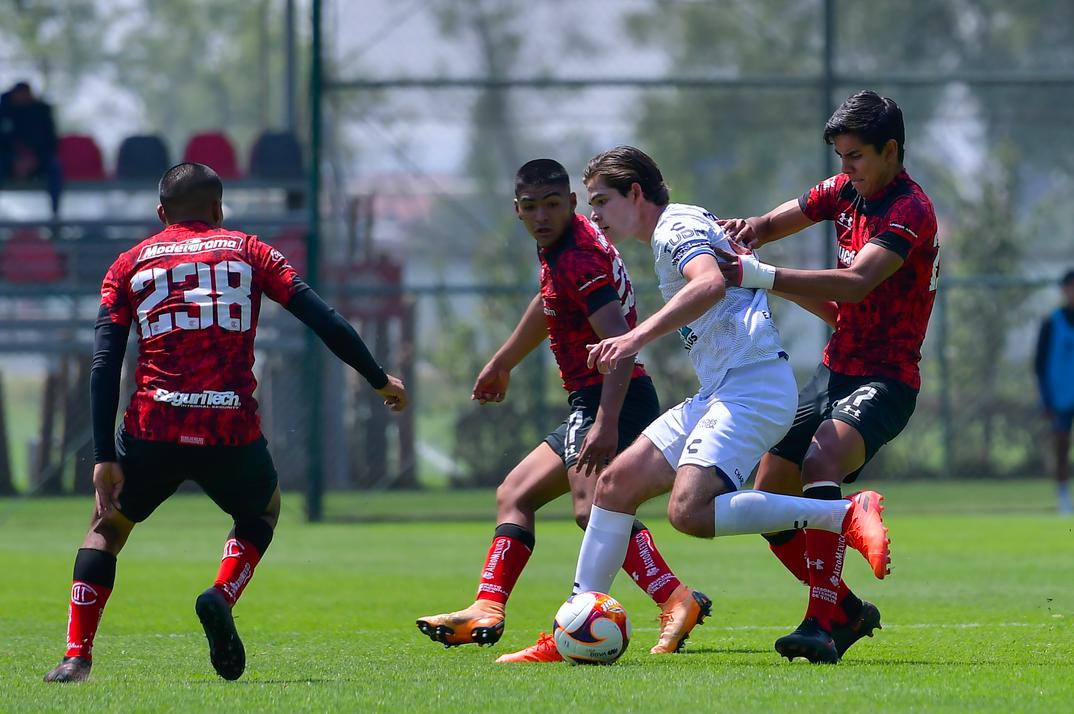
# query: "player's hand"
[743,231]
[108,484]
[745,271]
[491,384]
[394,393]
[730,266]
[606,354]
[599,447]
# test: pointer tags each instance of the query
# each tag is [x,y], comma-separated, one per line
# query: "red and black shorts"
[877,407]
[640,407]
[239,479]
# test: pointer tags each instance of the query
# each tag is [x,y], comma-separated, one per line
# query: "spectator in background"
[1054,365]
[28,141]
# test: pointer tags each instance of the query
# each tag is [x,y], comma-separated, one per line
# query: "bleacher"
[68,255]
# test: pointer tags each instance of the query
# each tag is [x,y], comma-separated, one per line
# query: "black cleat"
[809,641]
[70,669]
[862,625]
[225,648]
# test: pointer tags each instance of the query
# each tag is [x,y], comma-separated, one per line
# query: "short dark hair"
[624,166]
[542,172]
[189,189]
[1067,278]
[873,118]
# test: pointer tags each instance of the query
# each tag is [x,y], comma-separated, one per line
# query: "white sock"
[604,547]
[761,512]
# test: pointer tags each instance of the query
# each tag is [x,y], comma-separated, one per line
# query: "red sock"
[506,559]
[794,558]
[236,568]
[647,568]
[826,551]
[84,614]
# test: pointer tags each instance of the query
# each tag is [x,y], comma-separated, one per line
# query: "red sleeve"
[585,275]
[907,226]
[820,203]
[115,292]
[277,278]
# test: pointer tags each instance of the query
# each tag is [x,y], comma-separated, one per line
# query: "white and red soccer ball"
[591,628]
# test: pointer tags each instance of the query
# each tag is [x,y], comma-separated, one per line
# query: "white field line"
[907,626]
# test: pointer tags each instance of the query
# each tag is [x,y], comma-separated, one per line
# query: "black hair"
[872,118]
[1067,278]
[188,190]
[625,166]
[542,172]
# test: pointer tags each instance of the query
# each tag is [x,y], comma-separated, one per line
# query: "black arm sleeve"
[109,344]
[337,334]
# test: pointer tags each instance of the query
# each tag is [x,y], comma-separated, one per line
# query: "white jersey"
[736,331]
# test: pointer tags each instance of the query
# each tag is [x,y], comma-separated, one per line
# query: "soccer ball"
[591,628]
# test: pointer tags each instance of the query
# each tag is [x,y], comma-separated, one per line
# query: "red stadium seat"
[215,150]
[80,158]
[27,257]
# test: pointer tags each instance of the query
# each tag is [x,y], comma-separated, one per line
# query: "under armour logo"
[817,564]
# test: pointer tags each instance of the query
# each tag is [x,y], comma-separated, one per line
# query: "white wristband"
[756,274]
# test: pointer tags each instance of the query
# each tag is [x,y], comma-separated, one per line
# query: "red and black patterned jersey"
[194,293]
[881,336]
[579,275]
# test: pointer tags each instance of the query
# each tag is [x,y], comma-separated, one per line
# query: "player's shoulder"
[684,222]
[912,206]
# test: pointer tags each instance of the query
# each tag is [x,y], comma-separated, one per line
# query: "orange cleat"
[680,614]
[481,623]
[544,651]
[865,532]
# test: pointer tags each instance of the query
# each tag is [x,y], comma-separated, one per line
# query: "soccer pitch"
[978,614]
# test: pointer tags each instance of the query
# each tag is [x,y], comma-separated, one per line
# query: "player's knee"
[690,515]
[581,514]
[108,532]
[616,490]
[817,467]
[506,498]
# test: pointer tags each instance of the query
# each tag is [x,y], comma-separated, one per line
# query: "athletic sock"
[761,512]
[646,566]
[94,577]
[507,557]
[245,546]
[604,548]
[824,561]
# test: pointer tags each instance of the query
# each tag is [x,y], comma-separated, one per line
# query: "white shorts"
[747,414]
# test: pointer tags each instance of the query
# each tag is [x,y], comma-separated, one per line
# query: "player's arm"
[826,310]
[705,286]
[783,220]
[531,330]
[873,265]
[1040,363]
[340,337]
[601,442]
[109,346]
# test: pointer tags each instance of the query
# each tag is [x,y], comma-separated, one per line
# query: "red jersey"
[579,275]
[195,294]
[881,336]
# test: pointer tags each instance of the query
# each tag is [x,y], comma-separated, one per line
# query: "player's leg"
[1061,432]
[864,415]
[725,435]
[147,482]
[538,479]
[242,480]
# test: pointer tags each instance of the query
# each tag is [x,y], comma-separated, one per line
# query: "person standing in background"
[1054,365]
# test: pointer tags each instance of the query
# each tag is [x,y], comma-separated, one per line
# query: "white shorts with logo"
[747,414]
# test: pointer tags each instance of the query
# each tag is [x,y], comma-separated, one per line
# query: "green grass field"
[978,614]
